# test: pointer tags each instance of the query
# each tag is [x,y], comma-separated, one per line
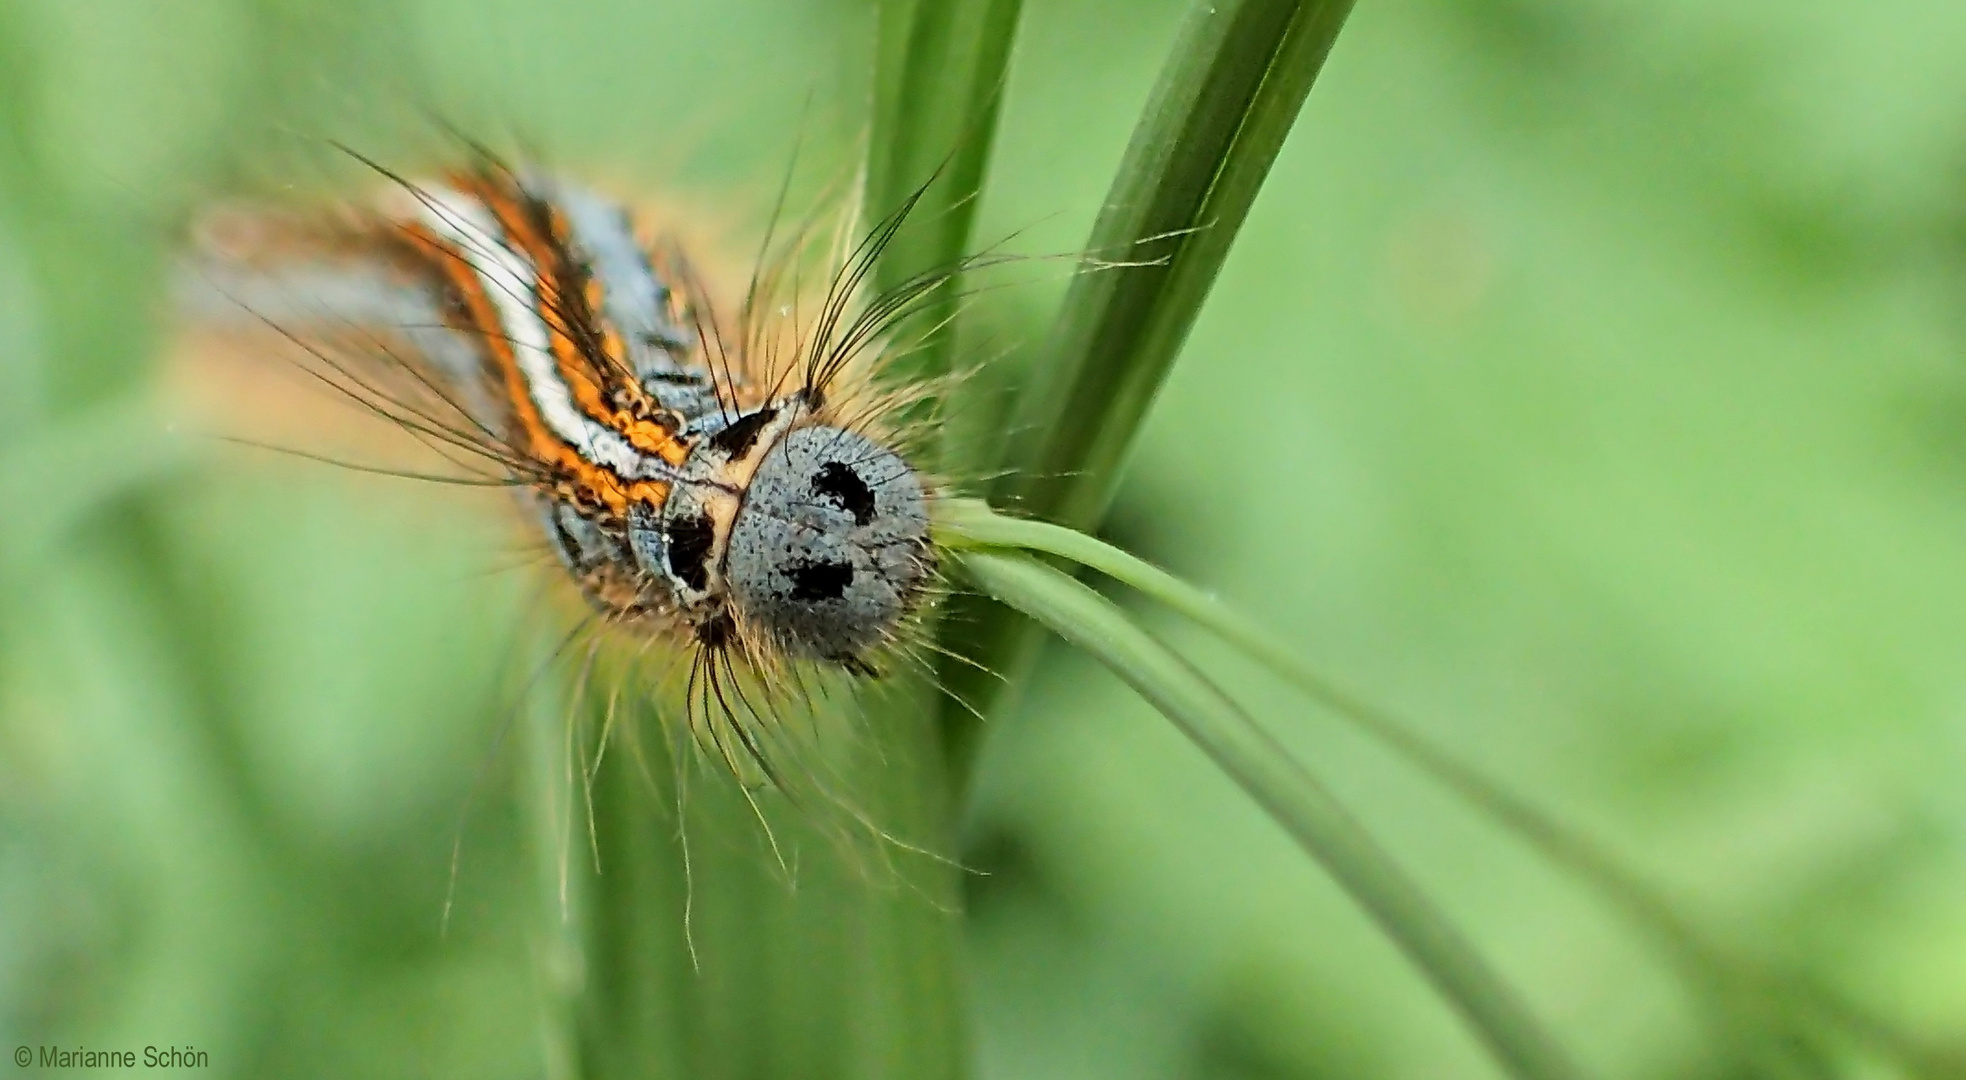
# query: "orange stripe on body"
[543,445]
[547,253]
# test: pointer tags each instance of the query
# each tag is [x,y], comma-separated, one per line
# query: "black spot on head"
[716,632]
[820,580]
[689,541]
[841,484]
[735,441]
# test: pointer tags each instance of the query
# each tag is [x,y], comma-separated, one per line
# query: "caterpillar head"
[831,547]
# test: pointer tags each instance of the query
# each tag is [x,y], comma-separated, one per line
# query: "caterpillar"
[738,492]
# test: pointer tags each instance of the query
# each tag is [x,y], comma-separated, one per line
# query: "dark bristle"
[717,632]
[856,666]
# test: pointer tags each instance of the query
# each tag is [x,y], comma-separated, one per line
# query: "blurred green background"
[1588,382]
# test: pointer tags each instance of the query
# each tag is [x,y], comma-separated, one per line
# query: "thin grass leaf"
[1743,991]
[1293,797]
[938,86]
[1230,91]
[722,932]
[698,960]
[938,90]
[1227,96]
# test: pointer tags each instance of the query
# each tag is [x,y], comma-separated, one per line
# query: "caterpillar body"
[740,496]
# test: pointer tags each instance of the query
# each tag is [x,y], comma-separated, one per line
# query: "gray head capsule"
[831,546]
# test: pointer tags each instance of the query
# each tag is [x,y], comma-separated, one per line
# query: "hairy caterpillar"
[738,491]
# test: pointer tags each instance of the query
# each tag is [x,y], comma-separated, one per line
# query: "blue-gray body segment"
[584,546]
[777,528]
[645,539]
[636,302]
[360,299]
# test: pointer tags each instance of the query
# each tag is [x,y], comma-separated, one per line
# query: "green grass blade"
[937,89]
[1226,98]
[1289,793]
[847,975]
[722,932]
[1227,95]
[1711,968]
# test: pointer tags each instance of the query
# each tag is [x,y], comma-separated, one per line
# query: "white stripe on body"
[508,277]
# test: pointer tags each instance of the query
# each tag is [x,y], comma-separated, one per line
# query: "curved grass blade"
[1291,795]
[1227,95]
[1744,991]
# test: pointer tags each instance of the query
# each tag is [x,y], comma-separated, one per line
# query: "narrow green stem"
[1227,96]
[697,928]
[969,523]
[938,87]
[1286,790]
